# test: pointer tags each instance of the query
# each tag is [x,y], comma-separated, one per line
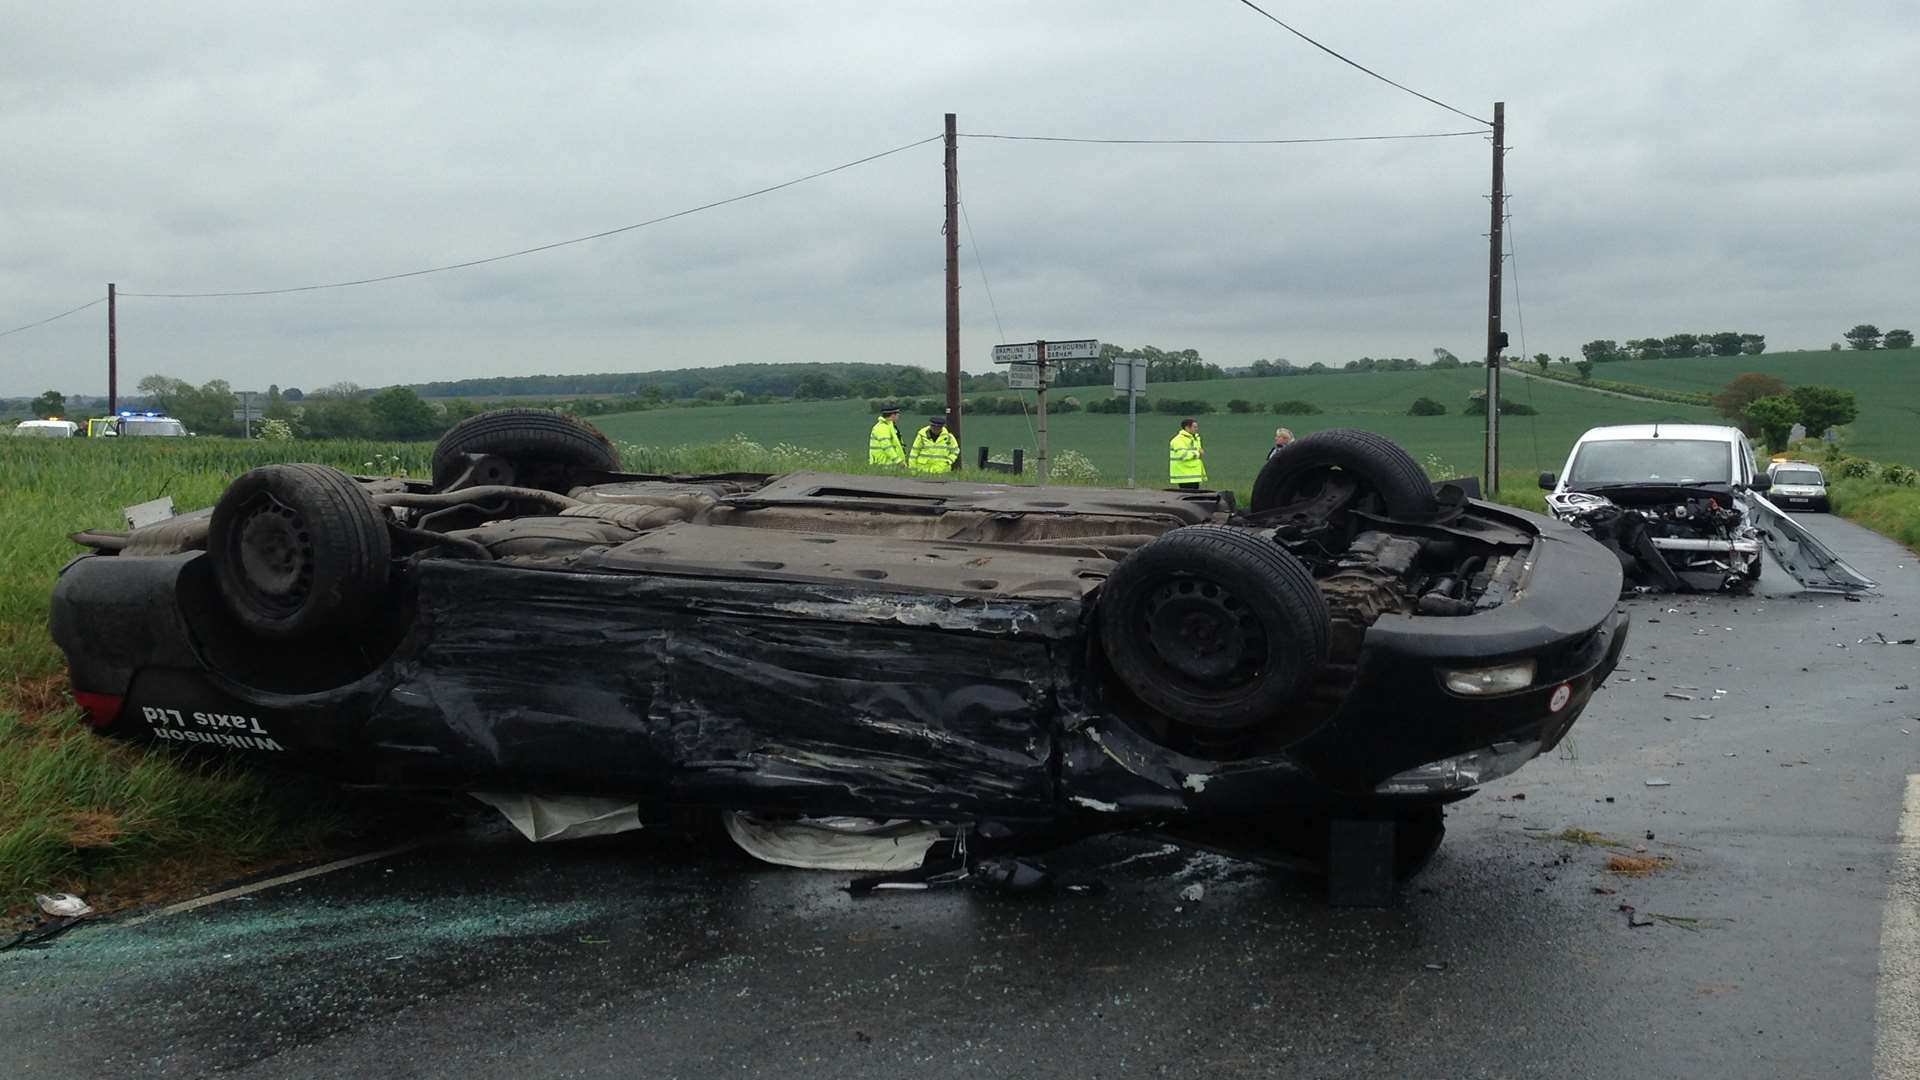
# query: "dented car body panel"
[845,645]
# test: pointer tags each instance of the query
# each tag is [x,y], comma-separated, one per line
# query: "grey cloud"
[1675,166]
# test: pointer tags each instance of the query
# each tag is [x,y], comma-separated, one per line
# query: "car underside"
[1032,664]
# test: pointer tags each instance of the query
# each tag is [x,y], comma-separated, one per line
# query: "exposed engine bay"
[1701,539]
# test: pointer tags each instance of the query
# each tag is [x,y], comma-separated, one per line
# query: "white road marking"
[269,883]
[1896,1013]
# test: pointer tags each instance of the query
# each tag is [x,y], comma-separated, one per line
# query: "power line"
[1362,67]
[50,318]
[975,245]
[1520,316]
[1222,142]
[995,308]
[542,247]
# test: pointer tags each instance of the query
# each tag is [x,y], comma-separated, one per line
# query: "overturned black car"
[1343,658]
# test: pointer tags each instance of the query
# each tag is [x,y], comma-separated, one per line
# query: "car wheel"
[1326,472]
[298,550]
[544,447]
[1822,506]
[1217,628]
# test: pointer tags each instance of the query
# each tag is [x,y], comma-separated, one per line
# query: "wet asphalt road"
[636,956]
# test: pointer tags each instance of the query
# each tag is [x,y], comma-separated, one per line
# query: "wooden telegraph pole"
[113,354]
[1496,339]
[953,283]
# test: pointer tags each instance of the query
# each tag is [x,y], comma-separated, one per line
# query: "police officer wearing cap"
[934,449]
[883,442]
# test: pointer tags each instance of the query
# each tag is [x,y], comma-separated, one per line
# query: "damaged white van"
[1681,506]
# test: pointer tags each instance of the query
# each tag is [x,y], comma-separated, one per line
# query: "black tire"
[544,446]
[298,551]
[1822,506]
[1384,478]
[1217,628]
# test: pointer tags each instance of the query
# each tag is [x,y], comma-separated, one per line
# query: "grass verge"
[1889,509]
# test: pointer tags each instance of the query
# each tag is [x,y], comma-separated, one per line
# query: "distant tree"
[1725,343]
[1753,344]
[714,393]
[1677,345]
[1644,348]
[1601,350]
[1774,418]
[1564,361]
[50,404]
[344,390]
[1898,339]
[293,393]
[1543,360]
[1293,407]
[1585,368]
[1835,347]
[1426,406]
[398,413]
[454,410]
[1823,407]
[1241,405]
[1863,337]
[324,416]
[1733,399]
[1445,361]
[815,386]
[278,407]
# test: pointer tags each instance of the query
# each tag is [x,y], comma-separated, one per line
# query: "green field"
[1887,384]
[1236,443]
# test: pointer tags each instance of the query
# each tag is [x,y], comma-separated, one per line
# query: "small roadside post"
[1130,378]
[1028,368]
[248,412]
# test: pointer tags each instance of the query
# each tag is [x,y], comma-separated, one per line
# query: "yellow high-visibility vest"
[933,456]
[1185,465]
[883,444]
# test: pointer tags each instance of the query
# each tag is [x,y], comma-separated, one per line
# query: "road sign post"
[1130,378]
[1027,369]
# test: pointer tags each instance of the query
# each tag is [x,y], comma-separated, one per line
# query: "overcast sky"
[1674,166]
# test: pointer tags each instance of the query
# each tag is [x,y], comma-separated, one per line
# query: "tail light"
[102,709]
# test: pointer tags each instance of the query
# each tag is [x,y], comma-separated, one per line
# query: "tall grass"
[74,807]
[1890,509]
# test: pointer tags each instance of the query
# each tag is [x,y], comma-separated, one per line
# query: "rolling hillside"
[1886,382]
[1237,443]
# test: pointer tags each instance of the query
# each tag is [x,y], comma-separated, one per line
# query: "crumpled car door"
[1812,563]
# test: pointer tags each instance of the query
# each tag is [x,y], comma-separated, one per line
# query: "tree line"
[1763,405]
[1868,336]
[1674,346]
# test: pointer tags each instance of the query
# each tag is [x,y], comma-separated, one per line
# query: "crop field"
[1887,383]
[1236,442]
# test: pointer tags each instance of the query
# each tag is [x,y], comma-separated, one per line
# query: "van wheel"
[1218,628]
[1328,472]
[298,550]
[544,447]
